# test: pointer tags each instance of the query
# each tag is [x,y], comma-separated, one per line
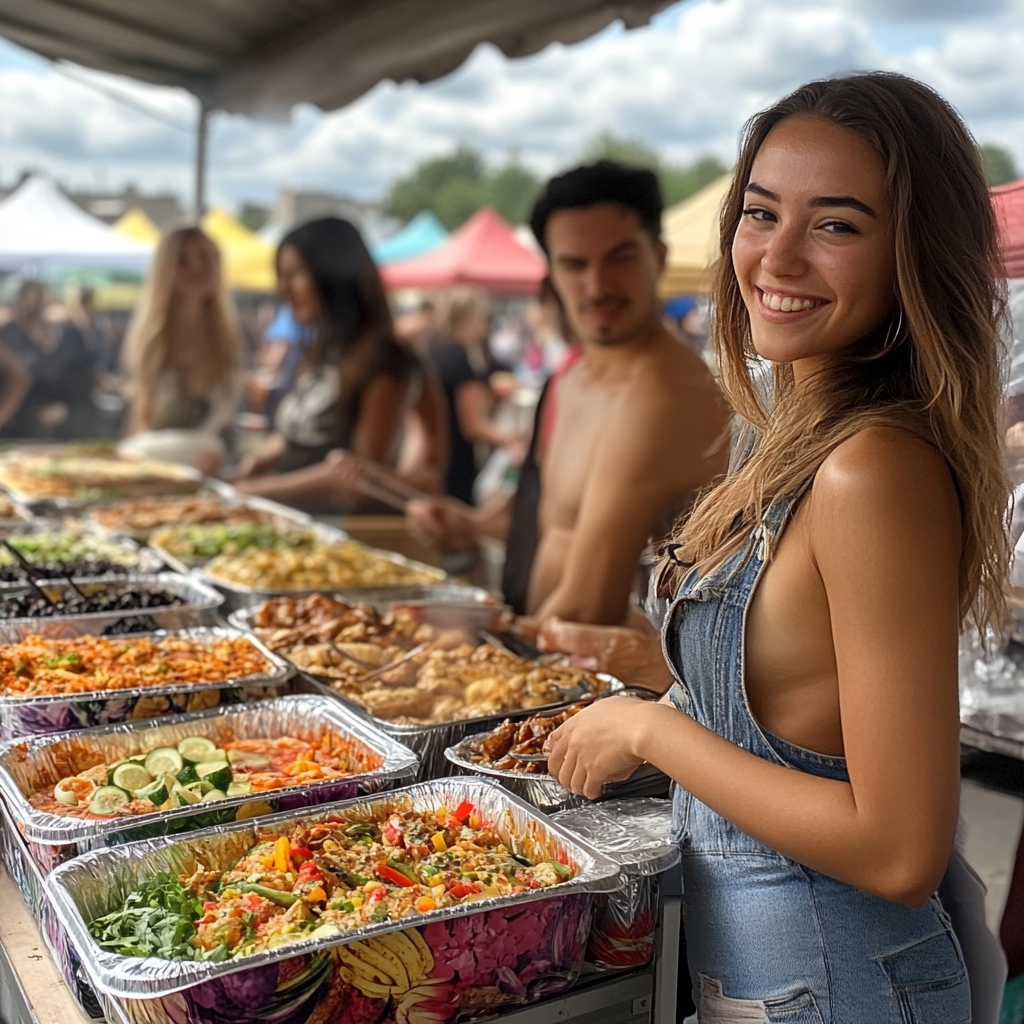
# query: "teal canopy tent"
[421,235]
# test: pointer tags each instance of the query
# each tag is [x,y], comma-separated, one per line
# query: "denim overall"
[769,940]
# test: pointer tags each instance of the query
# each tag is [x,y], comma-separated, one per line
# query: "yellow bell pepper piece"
[474,821]
[438,840]
[316,895]
[281,850]
[356,901]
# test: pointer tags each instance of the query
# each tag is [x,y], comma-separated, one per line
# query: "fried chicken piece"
[388,704]
[496,744]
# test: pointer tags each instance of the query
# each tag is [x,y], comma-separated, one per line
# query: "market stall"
[254,770]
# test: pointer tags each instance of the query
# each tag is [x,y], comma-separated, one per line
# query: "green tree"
[999,165]
[253,216]
[451,186]
[454,187]
[512,189]
[677,182]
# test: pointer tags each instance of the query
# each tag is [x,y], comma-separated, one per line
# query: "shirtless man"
[640,423]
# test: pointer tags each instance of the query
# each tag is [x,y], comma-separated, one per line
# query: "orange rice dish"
[40,666]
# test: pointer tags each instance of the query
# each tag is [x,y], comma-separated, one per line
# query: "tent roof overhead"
[263,56]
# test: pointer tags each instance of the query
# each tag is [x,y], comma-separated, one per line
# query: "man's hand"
[445,523]
[633,655]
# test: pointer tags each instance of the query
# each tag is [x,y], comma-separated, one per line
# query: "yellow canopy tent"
[135,224]
[690,229]
[248,259]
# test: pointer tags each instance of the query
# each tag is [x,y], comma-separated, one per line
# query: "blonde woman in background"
[183,354]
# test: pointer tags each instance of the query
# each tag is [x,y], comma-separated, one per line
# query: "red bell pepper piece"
[376,895]
[463,811]
[393,835]
[389,874]
[460,889]
[300,854]
[310,872]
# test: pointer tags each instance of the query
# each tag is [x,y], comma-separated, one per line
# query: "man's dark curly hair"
[603,182]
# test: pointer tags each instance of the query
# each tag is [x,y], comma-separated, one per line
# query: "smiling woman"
[819,591]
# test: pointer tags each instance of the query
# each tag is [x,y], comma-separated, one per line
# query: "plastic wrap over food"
[33,716]
[199,604]
[542,790]
[29,880]
[635,834]
[429,742]
[97,883]
[375,760]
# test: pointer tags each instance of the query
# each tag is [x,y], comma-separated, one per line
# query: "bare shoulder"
[675,377]
[886,478]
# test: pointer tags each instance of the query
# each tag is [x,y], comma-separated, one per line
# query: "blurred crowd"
[329,397]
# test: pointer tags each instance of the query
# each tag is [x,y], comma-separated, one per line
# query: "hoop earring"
[892,337]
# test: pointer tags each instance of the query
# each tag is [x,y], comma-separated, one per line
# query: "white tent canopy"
[263,56]
[41,228]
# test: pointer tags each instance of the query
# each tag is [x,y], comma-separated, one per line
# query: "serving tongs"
[378,484]
[30,575]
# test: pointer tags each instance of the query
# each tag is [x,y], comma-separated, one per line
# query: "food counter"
[149,745]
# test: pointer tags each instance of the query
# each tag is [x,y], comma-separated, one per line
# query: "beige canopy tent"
[260,57]
[690,230]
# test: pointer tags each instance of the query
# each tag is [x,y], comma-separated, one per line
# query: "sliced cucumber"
[163,759]
[242,788]
[197,748]
[187,775]
[217,773]
[66,795]
[130,776]
[214,794]
[108,800]
[155,792]
[246,761]
[205,787]
[185,796]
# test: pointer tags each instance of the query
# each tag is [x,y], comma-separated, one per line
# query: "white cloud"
[684,84]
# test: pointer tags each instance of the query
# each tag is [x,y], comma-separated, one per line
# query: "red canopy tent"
[1008,203]
[484,251]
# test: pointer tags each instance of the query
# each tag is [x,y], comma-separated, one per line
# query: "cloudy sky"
[684,84]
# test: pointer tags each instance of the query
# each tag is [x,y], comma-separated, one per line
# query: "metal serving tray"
[280,523]
[189,480]
[376,761]
[200,603]
[27,716]
[148,561]
[29,879]
[446,606]
[429,742]
[97,883]
[544,792]
[247,597]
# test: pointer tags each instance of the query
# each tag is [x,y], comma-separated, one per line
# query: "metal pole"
[202,131]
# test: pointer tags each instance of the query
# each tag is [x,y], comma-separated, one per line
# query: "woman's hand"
[346,473]
[632,655]
[598,745]
[262,461]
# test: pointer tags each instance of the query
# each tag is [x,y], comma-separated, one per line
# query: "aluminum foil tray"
[200,604]
[325,534]
[97,883]
[634,834]
[148,562]
[429,742]
[446,606]
[543,791]
[247,597]
[376,760]
[29,880]
[29,716]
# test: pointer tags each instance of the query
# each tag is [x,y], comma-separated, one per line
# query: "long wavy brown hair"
[935,370]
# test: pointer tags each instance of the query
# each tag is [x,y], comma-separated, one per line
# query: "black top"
[452,364]
[312,418]
[65,374]
[521,547]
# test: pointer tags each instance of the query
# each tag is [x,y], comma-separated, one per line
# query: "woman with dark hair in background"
[356,384]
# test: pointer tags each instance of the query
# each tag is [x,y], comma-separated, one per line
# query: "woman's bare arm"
[17,382]
[885,537]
